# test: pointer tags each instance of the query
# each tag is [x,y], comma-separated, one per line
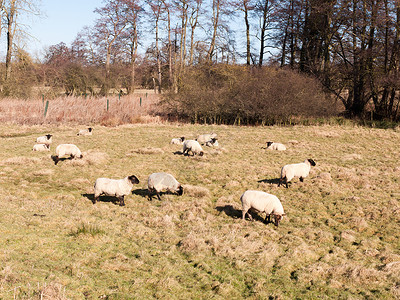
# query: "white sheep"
[276,146]
[66,150]
[45,139]
[204,138]
[192,146]
[87,131]
[262,202]
[41,147]
[212,143]
[178,141]
[300,170]
[159,182]
[114,187]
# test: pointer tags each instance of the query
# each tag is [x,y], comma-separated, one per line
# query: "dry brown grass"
[81,110]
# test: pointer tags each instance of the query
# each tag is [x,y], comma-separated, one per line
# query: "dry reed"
[135,108]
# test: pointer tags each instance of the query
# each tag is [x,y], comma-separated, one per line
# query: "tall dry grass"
[81,110]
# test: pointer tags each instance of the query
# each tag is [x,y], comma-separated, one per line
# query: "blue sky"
[61,21]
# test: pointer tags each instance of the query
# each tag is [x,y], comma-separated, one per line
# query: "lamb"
[114,187]
[300,170]
[41,147]
[178,141]
[66,150]
[87,131]
[212,143]
[204,138]
[276,146]
[158,182]
[262,202]
[45,139]
[193,146]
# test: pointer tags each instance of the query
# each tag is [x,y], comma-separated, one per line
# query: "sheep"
[66,150]
[300,170]
[45,139]
[276,146]
[41,147]
[204,138]
[193,146]
[178,141]
[158,182]
[114,187]
[87,131]
[262,202]
[212,143]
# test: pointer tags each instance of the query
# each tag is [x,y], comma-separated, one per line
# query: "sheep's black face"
[48,136]
[180,190]
[133,179]
[269,144]
[90,129]
[213,140]
[277,220]
[182,138]
[312,162]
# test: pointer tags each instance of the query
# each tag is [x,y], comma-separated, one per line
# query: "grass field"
[339,240]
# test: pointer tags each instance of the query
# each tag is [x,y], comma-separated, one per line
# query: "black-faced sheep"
[276,146]
[70,150]
[87,131]
[204,138]
[192,146]
[301,170]
[262,202]
[45,139]
[114,187]
[178,141]
[163,182]
[41,147]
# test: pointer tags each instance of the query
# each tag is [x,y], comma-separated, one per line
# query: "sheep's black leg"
[150,197]
[267,218]
[121,201]
[280,181]
[158,196]
[95,199]
[287,186]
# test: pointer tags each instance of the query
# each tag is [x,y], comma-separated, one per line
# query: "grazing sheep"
[276,146]
[212,143]
[87,131]
[262,202]
[300,170]
[45,139]
[66,150]
[114,187]
[193,146]
[41,147]
[204,138]
[178,141]
[159,182]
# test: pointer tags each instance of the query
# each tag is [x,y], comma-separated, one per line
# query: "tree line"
[350,47]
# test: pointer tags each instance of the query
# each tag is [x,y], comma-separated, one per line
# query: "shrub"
[237,94]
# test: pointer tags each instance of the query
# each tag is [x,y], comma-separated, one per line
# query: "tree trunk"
[215,20]
[10,36]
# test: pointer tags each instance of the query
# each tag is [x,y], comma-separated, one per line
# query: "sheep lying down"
[114,187]
[45,139]
[163,182]
[41,147]
[262,202]
[87,131]
[178,141]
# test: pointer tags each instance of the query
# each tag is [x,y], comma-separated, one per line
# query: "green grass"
[339,240]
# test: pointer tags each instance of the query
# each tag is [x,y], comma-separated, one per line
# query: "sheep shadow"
[270,181]
[55,161]
[141,192]
[234,213]
[178,153]
[111,199]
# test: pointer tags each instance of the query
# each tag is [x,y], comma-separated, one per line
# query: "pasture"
[339,240]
